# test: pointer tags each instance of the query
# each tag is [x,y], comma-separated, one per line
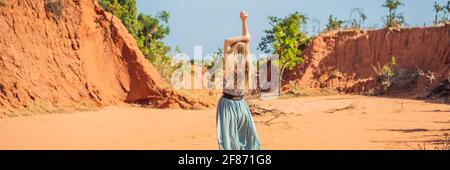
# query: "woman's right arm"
[229,41]
[244,16]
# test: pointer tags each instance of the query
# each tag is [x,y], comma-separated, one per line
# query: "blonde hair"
[241,49]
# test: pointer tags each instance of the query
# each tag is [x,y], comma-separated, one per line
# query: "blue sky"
[209,22]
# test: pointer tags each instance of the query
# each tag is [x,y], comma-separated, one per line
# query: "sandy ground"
[323,122]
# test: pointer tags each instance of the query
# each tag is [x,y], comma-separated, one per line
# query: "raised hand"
[243,15]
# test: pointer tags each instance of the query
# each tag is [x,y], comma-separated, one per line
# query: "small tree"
[147,30]
[216,58]
[286,39]
[388,73]
[441,12]
[125,10]
[437,9]
[447,11]
[215,64]
[448,7]
[357,18]
[334,24]
[393,19]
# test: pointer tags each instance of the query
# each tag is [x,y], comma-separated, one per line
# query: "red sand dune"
[80,58]
[356,55]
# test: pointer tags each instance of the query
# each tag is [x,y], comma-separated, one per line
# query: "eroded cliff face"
[352,61]
[74,56]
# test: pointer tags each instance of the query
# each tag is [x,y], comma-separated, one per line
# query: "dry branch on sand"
[259,110]
[442,90]
[350,106]
[440,144]
[431,76]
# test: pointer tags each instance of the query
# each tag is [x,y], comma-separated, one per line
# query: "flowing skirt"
[235,127]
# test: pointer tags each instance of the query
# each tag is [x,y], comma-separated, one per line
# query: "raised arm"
[244,16]
[245,37]
[232,40]
[245,34]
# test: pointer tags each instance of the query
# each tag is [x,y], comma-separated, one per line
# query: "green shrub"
[393,19]
[388,73]
[441,13]
[147,30]
[334,24]
[357,18]
[286,39]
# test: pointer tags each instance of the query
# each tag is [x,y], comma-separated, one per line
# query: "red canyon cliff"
[74,55]
[352,61]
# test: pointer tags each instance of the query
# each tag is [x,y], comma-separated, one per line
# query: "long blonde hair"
[241,49]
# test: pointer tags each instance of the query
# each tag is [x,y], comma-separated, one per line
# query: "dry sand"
[323,122]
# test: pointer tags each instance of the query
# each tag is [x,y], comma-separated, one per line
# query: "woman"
[235,127]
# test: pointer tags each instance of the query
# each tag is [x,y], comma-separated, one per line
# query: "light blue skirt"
[235,127]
